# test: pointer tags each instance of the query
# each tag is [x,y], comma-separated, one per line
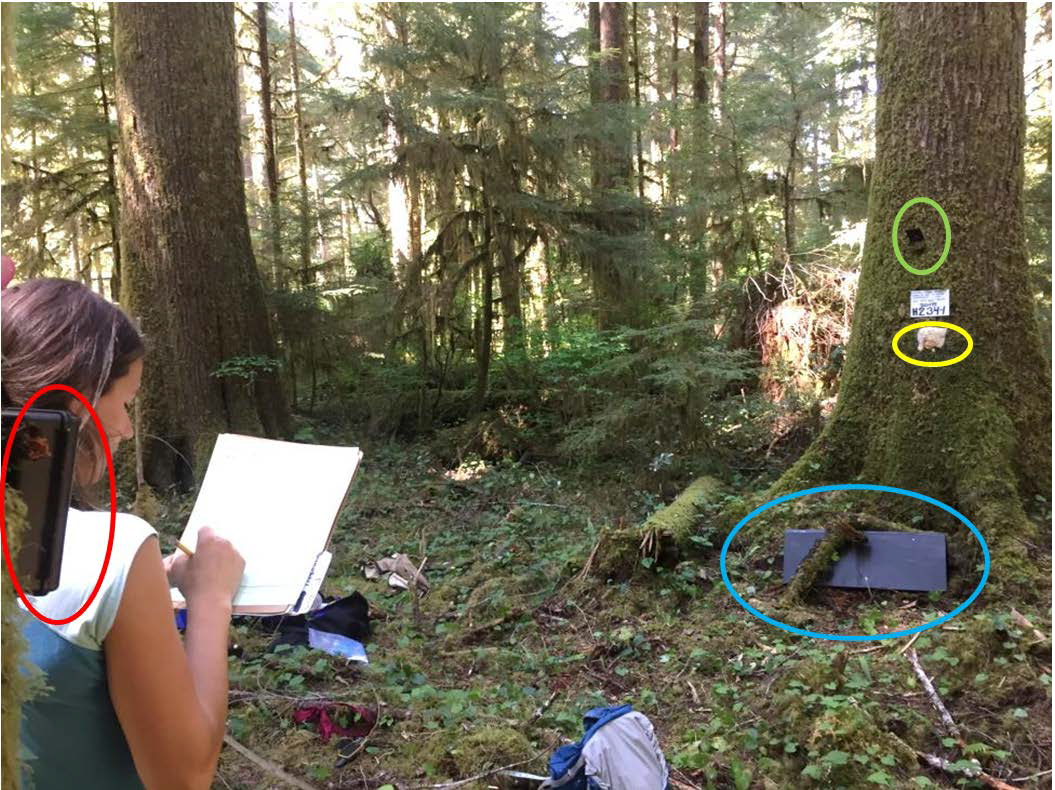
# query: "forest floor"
[512,645]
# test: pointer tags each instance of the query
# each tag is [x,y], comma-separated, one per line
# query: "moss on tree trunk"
[950,126]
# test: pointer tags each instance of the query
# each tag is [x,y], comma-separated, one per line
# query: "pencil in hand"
[184,549]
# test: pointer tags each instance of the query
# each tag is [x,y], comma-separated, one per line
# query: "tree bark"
[614,281]
[637,105]
[112,207]
[302,157]
[594,77]
[270,161]
[950,125]
[721,24]
[189,275]
[674,130]
[701,45]
[485,327]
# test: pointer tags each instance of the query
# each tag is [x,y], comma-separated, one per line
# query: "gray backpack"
[618,751]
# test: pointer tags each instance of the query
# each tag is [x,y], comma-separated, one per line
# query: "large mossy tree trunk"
[950,125]
[188,270]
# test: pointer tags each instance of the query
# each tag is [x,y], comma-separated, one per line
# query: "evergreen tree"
[976,435]
[189,275]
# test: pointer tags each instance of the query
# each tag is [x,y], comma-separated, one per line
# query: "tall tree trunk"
[303,208]
[189,274]
[594,76]
[701,46]
[270,161]
[81,265]
[41,246]
[485,326]
[614,281]
[675,132]
[7,54]
[637,106]
[787,184]
[113,216]
[509,280]
[950,125]
[721,28]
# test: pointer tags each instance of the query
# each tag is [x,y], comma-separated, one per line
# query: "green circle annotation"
[948,235]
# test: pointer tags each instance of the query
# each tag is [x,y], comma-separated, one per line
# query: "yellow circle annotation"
[944,363]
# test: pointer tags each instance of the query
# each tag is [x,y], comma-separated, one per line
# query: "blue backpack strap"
[566,768]
[598,717]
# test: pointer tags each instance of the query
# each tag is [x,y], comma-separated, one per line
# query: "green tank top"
[71,737]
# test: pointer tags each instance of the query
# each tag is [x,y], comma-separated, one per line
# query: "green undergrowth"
[512,644]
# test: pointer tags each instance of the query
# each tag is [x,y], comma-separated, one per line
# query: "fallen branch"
[935,700]
[954,730]
[513,614]
[910,643]
[542,708]
[819,559]
[581,575]
[944,765]
[478,777]
[683,783]
[265,764]
[1031,776]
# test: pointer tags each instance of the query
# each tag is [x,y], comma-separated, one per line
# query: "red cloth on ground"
[327,727]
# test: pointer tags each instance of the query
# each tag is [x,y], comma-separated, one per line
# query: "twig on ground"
[1023,622]
[910,643]
[589,562]
[944,765]
[478,777]
[695,694]
[266,764]
[1031,776]
[344,760]
[951,726]
[683,783]
[482,629]
[542,708]
[415,586]
[773,673]
[932,693]
[869,649]
[238,695]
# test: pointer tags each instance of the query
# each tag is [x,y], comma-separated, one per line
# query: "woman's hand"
[214,572]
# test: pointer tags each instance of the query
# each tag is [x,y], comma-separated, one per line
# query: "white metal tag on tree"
[928,304]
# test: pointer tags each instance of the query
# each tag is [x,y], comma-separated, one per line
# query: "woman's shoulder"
[84,553]
[84,525]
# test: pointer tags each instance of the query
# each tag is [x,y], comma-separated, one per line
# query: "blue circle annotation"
[854,487]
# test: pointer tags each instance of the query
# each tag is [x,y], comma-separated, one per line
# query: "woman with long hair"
[127,703]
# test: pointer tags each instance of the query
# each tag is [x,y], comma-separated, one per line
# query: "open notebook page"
[277,503]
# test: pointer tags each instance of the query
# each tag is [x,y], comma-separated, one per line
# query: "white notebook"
[277,502]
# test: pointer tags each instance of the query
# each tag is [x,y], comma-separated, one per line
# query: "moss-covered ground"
[513,644]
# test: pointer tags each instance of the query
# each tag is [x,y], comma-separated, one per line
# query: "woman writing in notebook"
[129,704]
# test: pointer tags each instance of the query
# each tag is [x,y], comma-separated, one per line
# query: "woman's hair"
[61,332]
